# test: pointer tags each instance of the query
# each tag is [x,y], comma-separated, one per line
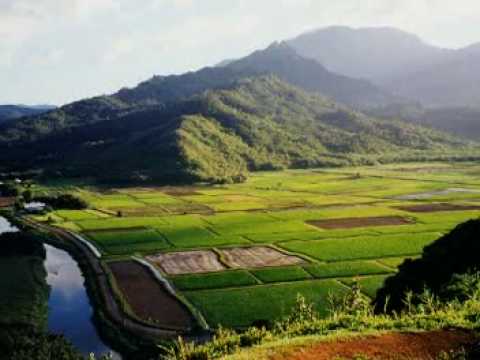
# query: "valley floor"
[239,254]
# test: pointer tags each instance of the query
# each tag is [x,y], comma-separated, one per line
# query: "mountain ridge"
[257,123]
[399,62]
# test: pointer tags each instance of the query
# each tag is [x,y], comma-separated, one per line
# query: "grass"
[281,274]
[394,262]
[369,285]
[125,241]
[346,269]
[244,306]
[272,208]
[363,247]
[76,215]
[226,279]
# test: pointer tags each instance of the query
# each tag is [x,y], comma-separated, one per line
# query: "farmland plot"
[240,253]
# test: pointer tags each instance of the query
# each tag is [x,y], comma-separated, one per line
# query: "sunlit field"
[323,230]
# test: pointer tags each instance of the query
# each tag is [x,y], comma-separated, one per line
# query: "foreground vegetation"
[349,316]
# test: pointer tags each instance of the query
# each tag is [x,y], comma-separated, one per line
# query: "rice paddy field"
[239,254]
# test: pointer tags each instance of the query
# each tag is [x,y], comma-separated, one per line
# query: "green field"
[276,209]
[241,307]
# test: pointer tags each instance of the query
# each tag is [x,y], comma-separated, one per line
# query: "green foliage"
[24,344]
[363,247]
[246,124]
[346,269]
[9,189]
[462,286]
[63,201]
[349,314]
[218,280]
[125,241]
[281,274]
[242,307]
[454,253]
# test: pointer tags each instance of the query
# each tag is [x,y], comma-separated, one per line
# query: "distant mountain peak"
[372,53]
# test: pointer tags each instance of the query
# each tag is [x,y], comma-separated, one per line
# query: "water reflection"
[5,226]
[70,312]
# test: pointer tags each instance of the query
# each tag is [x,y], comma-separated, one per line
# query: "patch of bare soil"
[148,298]
[392,346]
[257,257]
[427,208]
[349,223]
[188,262]
[6,201]
[430,194]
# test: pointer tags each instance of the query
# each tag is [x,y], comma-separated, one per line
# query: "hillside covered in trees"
[218,135]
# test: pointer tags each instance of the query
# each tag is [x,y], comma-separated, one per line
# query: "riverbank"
[69,308]
[24,299]
[128,336]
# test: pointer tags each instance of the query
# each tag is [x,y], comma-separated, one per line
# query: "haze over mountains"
[399,62]
[301,103]
[8,112]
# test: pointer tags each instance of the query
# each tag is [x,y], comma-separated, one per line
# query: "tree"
[27,196]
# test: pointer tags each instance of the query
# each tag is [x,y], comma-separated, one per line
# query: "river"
[69,309]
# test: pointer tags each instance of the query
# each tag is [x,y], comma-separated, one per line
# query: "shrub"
[63,202]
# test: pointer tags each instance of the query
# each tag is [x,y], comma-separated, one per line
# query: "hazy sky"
[56,51]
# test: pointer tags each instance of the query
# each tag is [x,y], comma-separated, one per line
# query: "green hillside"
[256,124]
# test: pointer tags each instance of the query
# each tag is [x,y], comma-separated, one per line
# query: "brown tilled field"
[394,346]
[187,262]
[426,208]
[148,298]
[6,201]
[257,257]
[349,223]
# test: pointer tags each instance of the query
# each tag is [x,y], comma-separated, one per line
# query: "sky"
[58,51]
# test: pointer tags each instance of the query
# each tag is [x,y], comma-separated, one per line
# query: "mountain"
[160,91]
[460,121]
[398,62]
[452,82]
[280,59]
[8,112]
[219,135]
[370,53]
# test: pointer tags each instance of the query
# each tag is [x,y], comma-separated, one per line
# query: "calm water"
[5,226]
[69,309]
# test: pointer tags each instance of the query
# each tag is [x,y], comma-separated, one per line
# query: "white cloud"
[100,45]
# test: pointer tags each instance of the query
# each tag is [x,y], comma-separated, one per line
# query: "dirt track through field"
[148,298]
[188,262]
[257,257]
[393,346]
[350,223]
[427,208]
